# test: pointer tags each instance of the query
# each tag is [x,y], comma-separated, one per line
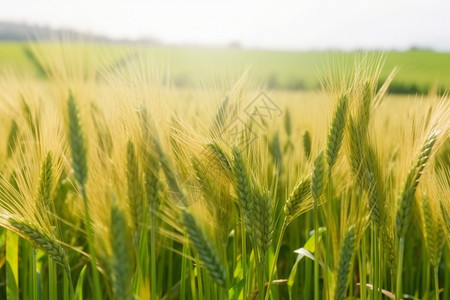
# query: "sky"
[280,24]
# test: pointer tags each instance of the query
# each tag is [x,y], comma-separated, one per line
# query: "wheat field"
[117,184]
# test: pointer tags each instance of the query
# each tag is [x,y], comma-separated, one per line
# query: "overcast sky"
[280,24]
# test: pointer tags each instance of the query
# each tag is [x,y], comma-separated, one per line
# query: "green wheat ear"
[412,181]
[244,188]
[120,243]
[152,182]
[345,260]
[169,172]
[388,243]
[12,138]
[307,144]
[336,133]
[262,223]
[79,160]
[46,181]
[44,242]
[135,189]
[434,233]
[296,203]
[317,178]
[206,252]
[220,155]
[287,123]
[373,198]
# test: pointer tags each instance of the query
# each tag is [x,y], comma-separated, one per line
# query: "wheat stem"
[436,282]
[79,164]
[399,287]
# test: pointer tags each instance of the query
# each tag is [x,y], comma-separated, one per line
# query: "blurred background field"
[418,71]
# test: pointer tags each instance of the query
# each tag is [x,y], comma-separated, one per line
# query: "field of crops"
[118,182]
[418,70]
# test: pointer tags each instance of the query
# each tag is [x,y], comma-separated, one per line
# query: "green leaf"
[235,292]
[79,288]
[291,278]
[306,250]
[238,272]
[310,244]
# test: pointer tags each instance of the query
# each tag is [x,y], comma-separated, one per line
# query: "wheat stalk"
[316,190]
[405,203]
[79,164]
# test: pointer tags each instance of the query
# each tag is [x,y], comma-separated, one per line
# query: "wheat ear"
[262,223]
[412,181]
[12,138]
[79,160]
[336,133]
[296,203]
[206,252]
[317,177]
[373,198]
[43,241]
[307,144]
[120,241]
[152,182]
[220,155]
[345,260]
[135,190]
[45,181]
[244,187]
[434,233]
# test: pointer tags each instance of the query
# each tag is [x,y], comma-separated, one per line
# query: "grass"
[125,186]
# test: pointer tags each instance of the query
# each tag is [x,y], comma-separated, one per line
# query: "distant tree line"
[10,31]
